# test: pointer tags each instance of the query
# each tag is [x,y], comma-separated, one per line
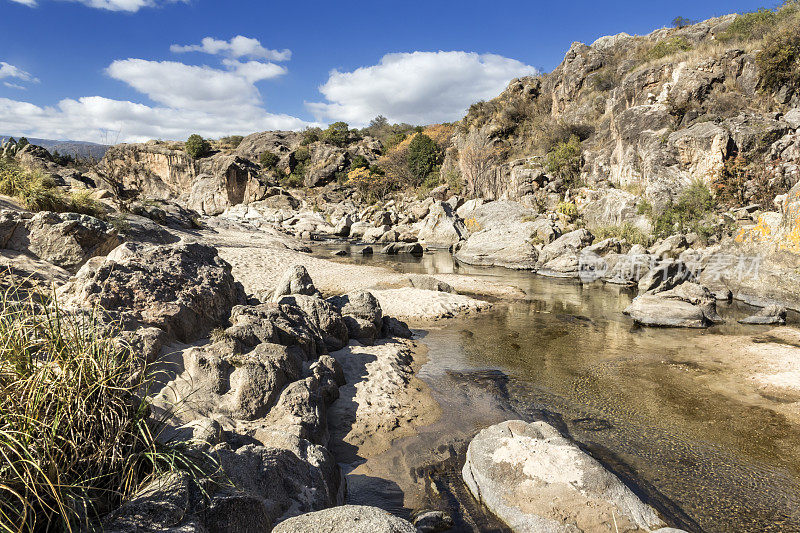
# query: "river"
[653,405]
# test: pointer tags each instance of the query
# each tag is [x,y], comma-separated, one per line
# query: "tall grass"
[38,192]
[75,436]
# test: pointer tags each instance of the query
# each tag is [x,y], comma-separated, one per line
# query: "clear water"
[651,404]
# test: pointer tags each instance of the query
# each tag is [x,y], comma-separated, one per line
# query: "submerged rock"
[534,479]
[772,315]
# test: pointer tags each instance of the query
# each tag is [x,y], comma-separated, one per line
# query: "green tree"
[337,134]
[423,154]
[682,22]
[22,143]
[197,147]
[269,160]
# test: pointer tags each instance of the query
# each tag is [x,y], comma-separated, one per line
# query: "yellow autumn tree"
[395,161]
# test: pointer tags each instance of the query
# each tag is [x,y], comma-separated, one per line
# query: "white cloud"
[239,46]
[189,99]
[10,71]
[99,119]
[417,87]
[187,86]
[14,86]
[130,6]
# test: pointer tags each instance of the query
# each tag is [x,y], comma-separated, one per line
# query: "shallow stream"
[656,406]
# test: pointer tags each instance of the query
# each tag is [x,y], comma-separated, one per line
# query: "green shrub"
[749,26]
[269,160]
[302,154]
[779,59]
[359,161]
[422,156]
[627,231]
[74,430]
[310,135]
[337,134]
[232,140]
[197,147]
[37,191]
[568,209]
[682,22]
[564,161]
[22,143]
[294,180]
[694,204]
[668,47]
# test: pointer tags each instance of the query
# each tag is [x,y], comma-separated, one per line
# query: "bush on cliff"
[268,160]
[779,59]
[197,147]
[74,432]
[423,154]
[564,161]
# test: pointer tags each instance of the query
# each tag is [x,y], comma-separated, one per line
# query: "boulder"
[66,240]
[442,227]
[183,289]
[403,248]
[772,315]
[279,324]
[688,305]
[325,316]
[295,280]
[347,519]
[572,243]
[534,479]
[433,522]
[362,314]
[242,385]
[507,245]
[663,275]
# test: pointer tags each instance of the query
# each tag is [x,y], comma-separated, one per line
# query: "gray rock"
[346,519]
[688,305]
[534,479]
[508,245]
[571,243]
[403,248]
[429,283]
[295,281]
[771,315]
[442,227]
[361,312]
[183,289]
[393,327]
[664,275]
[325,316]
[66,240]
[433,522]
[670,248]
[367,250]
[792,118]
[286,325]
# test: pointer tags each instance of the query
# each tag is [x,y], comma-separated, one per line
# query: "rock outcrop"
[347,519]
[183,289]
[67,240]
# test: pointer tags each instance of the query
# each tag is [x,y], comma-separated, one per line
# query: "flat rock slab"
[535,480]
[346,519]
[653,310]
[421,304]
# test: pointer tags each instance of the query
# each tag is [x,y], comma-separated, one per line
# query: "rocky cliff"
[653,114]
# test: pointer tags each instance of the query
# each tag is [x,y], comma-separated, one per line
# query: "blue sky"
[130,70]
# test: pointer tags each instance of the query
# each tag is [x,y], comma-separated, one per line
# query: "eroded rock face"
[347,519]
[510,246]
[183,289]
[534,479]
[66,240]
[325,316]
[208,185]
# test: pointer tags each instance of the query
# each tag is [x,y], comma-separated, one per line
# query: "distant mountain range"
[74,148]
